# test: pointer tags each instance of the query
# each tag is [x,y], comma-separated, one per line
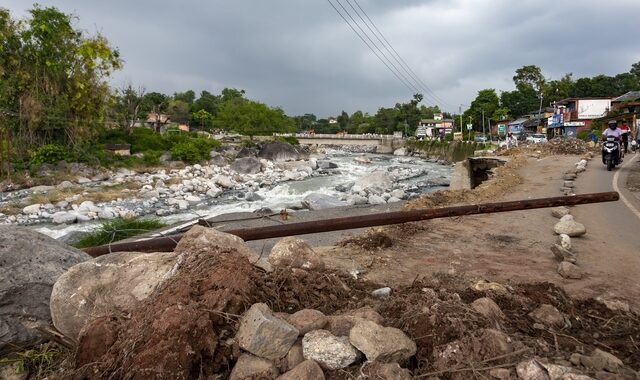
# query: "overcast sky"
[300,55]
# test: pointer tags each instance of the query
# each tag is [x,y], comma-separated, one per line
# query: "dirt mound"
[504,178]
[376,238]
[180,331]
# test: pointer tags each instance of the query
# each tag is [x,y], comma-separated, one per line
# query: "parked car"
[537,138]
[480,138]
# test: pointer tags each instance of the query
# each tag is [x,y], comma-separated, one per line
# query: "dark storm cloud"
[300,55]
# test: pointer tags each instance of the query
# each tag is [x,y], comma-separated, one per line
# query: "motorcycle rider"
[612,130]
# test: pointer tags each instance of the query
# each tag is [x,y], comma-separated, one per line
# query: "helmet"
[613,124]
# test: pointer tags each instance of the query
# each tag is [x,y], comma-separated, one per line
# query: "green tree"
[343,120]
[178,110]
[126,107]
[207,101]
[53,79]
[486,103]
[252,118]
[187,96]
[204,119]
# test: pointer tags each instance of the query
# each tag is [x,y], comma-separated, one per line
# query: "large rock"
[600,360]
[265,335]
[328,350]
[316,201]
[562,254]
[559,212]
[377,183]
[105,285]
[65,217]
[31,209]
[570,227]
[569,270]
[199,238]
[279,151]
[488,308]
[322,164]
[307,370]
[548,315]
[30,263]
[294,253]
[387,371]
[383,344]
[247,165]
[307,320]
[340,325]
[252,367]
[564,241]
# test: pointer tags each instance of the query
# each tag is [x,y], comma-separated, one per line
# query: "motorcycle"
[634,146]
[611,153]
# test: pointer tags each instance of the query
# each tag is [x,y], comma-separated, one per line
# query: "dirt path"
[507,247]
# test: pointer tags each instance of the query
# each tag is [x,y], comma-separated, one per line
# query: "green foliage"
[288,139]
[37,362]
[54,77]
[119,229]
[251,118]
[151,157]
[194,150]
[187,152]
[49,154]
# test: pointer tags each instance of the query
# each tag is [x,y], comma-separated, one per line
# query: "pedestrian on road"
[624,136]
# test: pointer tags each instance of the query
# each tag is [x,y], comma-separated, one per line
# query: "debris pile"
[556,146]
[220,316]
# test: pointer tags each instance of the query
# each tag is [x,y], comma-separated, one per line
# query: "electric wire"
[395,54]
[409,87]
[416,89]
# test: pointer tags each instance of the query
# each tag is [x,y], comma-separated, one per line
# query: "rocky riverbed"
[232,181]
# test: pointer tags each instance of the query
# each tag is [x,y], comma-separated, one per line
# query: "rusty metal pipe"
[164,244]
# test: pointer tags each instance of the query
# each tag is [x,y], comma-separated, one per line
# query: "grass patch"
[119,229]
[37,362]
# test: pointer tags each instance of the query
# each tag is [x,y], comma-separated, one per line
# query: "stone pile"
[567,227]
[307,342]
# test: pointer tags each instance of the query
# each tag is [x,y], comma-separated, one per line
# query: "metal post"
[168,243]
[483,123]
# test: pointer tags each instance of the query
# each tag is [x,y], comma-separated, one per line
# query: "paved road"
[611,248]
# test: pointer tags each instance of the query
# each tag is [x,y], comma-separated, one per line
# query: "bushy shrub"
[194,150]
[186,151]
[288,139]
[144,139]
[49,154]
[151,157]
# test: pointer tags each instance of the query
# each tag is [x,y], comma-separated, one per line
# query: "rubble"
[328,350]
[265,335]
[384,344]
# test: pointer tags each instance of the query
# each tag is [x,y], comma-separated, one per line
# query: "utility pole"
[483,123]
[539,112]
[460,111]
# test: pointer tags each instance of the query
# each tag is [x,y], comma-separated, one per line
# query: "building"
[573,115]
[626,110]
[434,128]
[157,120]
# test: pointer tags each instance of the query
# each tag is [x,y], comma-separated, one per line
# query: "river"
[413,175]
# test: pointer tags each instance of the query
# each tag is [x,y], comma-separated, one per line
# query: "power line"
[369,46]
[410,79]
[374,43]
[402,62]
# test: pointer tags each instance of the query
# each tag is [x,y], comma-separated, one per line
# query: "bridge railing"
[335,136]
